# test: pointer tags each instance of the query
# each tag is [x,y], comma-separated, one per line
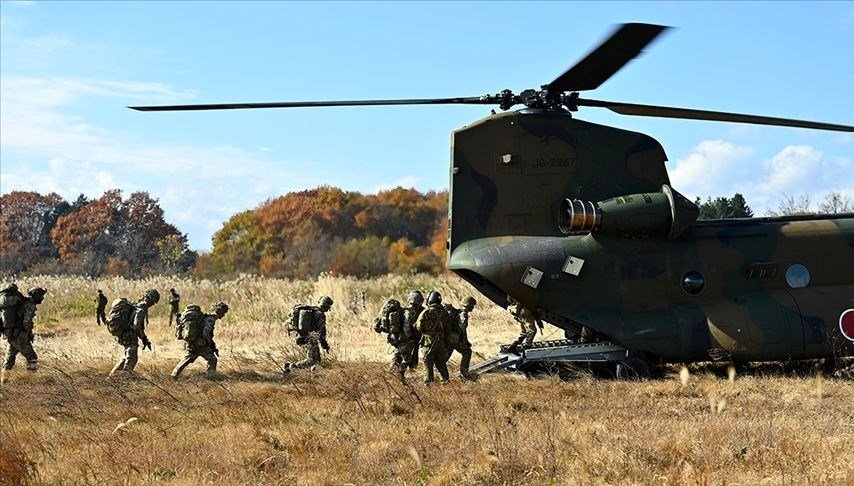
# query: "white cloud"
[790,167]
[710,167]
[47,150]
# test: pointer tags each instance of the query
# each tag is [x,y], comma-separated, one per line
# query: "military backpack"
[300,318]
[453,318]
[10,302]
[190,323]
[390,320]
[119,321]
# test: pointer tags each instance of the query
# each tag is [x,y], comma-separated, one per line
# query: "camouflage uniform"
[203,345]
[528,323]
[100,313]
[433,325]
[410,326]
[20,337]
[458,339]
[174,303]
[313,337]
[129,339]
[391,321]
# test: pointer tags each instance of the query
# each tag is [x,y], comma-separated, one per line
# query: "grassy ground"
[352,422]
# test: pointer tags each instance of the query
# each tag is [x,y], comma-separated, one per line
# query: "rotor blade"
[624,45]
[477,100]
[670,112]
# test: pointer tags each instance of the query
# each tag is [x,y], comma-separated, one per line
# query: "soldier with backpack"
[127,323]
[458,339]
[410,320]
[197,331]
[18,312]
[433,325]
[310,324]
[391,321]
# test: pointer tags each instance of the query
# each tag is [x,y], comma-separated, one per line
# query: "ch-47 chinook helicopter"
[578,222]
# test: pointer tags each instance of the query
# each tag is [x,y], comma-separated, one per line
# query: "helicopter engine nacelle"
[661,213]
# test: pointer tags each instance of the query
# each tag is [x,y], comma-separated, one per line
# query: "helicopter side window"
[797,276]
[693,283]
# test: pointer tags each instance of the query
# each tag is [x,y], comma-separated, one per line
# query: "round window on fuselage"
[693,283]
[797,276]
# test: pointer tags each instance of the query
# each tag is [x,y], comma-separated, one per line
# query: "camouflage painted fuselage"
[510,173]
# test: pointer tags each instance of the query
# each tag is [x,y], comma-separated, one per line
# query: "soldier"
[18,328]
[100,312]
[410,326]
[134,331]
[528,322]
[433,325]
[311,334]
[458,339]
[174,304]
[201,342]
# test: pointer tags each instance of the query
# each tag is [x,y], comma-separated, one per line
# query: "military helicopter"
[578,222]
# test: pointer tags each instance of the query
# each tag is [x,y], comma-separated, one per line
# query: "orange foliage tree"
[303,234]
[126,237]
[26,220]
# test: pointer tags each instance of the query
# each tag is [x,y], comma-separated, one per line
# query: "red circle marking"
[846,324]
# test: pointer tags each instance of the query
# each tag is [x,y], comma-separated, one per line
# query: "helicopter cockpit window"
[797,276]
[693,283]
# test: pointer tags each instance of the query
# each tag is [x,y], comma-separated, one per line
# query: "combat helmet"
[37,294]
[416,297]
[469,302]
[151,296]
[325,302]
[220,308]
[434,298]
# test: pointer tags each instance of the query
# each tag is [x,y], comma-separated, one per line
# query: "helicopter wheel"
[633,369]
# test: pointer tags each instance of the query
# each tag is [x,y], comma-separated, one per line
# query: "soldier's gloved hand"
[146,344]
[325,346]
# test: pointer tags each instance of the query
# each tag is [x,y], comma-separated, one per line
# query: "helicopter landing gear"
[633,368]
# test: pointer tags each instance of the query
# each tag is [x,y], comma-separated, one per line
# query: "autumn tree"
[125,237]
[303,234]
[26,221]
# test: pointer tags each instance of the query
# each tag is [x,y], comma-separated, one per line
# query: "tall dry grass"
[352,422]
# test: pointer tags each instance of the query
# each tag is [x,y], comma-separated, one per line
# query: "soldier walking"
[458,339]
[128,325]
[174,304]
[198,334]
[100,312]
[528,323]
[401,334]
[410,318]
[433,325]
[18,314]
[311,333]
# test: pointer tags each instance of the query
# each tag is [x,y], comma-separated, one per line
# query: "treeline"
[104,236]
[303,234]
[298,235]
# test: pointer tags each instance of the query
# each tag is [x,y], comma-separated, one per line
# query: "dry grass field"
[351,422]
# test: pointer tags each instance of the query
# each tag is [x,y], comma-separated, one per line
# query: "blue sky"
[68,69]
